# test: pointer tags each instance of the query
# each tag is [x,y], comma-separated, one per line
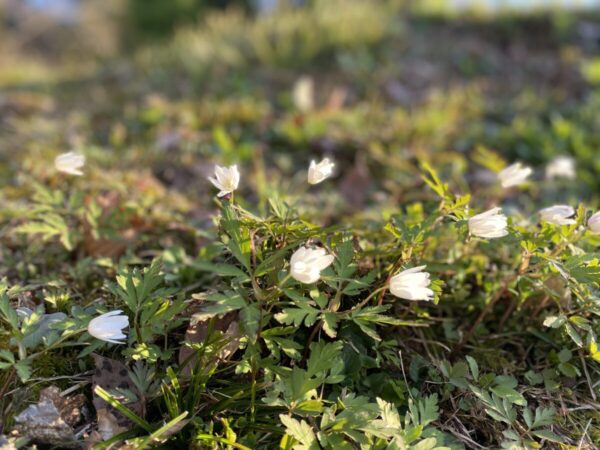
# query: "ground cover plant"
[267,232]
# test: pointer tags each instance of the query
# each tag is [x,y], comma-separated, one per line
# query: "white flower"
[489,225]
[514,175]
[321,171]
[303,94]
[70,163]
[108,327]
[226,179]
[561,166]
[594,223]
[558,215]
[412,284]
[307,263]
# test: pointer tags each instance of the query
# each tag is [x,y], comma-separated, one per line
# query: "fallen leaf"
[197,332]
[110,375]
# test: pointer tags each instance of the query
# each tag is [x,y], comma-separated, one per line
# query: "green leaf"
[543,417]
[509,394]
[474,367]
[548,435]
[343,263]
[300,431]
[8,313]
[239,236]
[330,322]
[565,355]
[573,334]
[250,321]
[424,410]
[554,321]
[108,398]
[23,369]
[432,180]
[220,304]
[155,436]
[224,270]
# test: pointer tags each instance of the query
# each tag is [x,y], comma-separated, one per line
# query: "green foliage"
[225,348]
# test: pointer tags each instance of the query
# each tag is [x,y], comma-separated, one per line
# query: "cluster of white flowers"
[561,167]
[306,264]
[517,174]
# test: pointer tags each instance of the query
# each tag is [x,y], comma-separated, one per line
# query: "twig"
[579,446]
[9,379]
[313,333]
[587,375]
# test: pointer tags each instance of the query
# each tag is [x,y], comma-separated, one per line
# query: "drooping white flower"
[226,179]
[306,264]
[489,225]
[594,223]
[318,172]
[558,215]
[514,175]
[561,166]
[108,327]
[412,284]
[70,163]
[303,94]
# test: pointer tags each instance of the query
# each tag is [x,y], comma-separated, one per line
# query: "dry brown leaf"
[109,375]
[197,332]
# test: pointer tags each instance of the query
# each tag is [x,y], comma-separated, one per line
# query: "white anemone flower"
[489,225]
[412,284]
[226,179]
[306,264]
[303,94]
[594,223]
[558,215]
[318,172]
[514,175]
[108,327]
[70,163]
[561,166]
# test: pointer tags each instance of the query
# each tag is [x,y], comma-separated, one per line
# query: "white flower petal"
[70,163]
[412,284]
[594,223]
[306,264]
[558,215]
[226,179]
[489,225]
[108,327]
[321,171]
[514,175]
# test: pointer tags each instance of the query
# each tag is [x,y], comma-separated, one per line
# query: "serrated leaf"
[299,430]
[548,435]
